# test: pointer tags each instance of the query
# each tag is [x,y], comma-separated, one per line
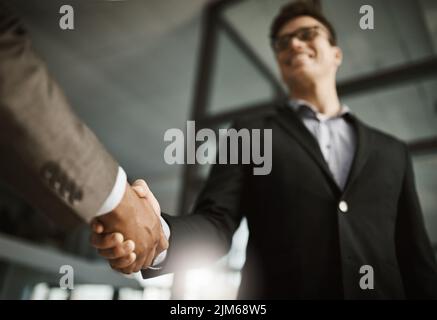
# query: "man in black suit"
[341,195]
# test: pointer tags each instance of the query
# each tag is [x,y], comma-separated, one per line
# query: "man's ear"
[338,56]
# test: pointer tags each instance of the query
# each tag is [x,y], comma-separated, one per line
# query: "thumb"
[140,191]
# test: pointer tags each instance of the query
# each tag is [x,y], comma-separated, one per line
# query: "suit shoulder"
[258,120]
[387,139]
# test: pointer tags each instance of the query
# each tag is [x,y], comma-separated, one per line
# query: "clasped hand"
[131,236]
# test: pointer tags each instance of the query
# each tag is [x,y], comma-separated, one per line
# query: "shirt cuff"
[115,196]
[161,257]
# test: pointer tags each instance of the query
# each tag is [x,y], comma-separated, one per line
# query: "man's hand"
[136,220]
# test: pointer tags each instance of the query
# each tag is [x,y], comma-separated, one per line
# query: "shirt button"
[343,206]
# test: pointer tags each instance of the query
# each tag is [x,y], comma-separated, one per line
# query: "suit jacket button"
[343,206]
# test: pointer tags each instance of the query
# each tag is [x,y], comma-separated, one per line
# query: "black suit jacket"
[301,245]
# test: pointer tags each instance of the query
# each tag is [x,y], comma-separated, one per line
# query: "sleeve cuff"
[115,195]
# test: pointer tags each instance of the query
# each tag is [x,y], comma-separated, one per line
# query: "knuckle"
[111,238]
[127,246]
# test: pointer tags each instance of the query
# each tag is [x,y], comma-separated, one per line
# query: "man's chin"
[300,73]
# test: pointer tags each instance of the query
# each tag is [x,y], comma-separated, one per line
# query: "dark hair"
[296,9]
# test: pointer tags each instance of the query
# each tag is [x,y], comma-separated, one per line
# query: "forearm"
[195,241]
[41,136]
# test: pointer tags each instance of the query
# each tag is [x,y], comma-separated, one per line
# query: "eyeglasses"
[304,34]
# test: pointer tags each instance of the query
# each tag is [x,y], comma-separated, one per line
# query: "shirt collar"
[307,109]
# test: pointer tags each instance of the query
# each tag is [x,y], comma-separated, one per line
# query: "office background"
[133,69]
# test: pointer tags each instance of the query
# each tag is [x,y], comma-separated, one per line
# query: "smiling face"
[308,54]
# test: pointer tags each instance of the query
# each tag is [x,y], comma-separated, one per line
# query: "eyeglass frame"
[293,34]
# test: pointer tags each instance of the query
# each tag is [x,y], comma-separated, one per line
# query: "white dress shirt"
[335,135]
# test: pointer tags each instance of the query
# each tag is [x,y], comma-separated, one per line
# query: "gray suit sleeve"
[48,154]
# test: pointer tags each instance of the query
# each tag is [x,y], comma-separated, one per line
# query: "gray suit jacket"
[47,153]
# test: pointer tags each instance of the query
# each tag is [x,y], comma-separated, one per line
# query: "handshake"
[131,236]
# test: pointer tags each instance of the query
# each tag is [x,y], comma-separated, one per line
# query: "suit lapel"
[364,144]
[291,123]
